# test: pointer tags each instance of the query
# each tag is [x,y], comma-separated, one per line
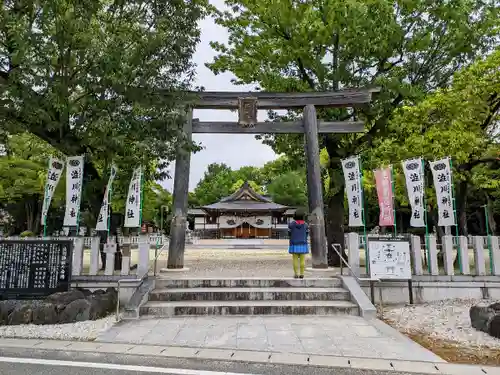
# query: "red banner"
[383,181]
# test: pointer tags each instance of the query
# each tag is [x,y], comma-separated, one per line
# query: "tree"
[24,171]
[289,189]
[468,132]
[256,187]
[99,78]
[217,182]
[408,48]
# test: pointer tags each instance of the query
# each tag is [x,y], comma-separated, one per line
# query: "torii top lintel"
[283,100]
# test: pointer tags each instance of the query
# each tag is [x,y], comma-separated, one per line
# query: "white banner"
[414,176]
[102,220]
[133,207]
[441,173]
[74,181]
[54,173]
[353,188]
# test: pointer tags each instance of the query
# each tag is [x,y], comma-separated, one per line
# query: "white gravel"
[448,320]
[81,331]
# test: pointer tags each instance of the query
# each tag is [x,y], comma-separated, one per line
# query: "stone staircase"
[253,296]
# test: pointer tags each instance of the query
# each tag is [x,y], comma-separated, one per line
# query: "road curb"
[228,355]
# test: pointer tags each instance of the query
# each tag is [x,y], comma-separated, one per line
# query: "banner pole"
[488,238]
[46,198]
[80,200]
[455,214]
[363,217]
[141,184]
[108,216]
[427,247]
[394,202]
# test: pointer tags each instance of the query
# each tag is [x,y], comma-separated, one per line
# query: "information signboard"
[31,269]
[389,258]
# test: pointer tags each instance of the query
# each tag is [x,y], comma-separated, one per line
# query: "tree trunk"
[335,227]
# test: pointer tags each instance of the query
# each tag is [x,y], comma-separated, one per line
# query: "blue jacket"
[298,232]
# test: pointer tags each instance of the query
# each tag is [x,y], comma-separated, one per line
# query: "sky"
[235,150]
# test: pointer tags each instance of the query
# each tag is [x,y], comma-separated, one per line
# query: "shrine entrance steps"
[250,296]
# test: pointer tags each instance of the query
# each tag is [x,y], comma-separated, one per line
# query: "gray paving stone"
[152,350]
[316,360]
[250,356]
[289,358]
[366,331]
[371,364]
[308,331]
[84,346]
[220,354]
[252,344]
[323,346]
[415,367]
[179,352]
[454,369]
[53,344]
[115,348]
[251,331]
[226,340]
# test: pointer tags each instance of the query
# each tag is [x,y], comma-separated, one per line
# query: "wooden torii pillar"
[248,103]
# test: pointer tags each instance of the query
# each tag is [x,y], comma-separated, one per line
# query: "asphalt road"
[43,362]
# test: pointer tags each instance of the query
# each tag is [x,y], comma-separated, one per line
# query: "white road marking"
[111,366]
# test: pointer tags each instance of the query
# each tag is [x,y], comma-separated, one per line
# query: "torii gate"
[247,104]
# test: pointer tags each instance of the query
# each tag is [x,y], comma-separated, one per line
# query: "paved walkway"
[257,362]
[347,336]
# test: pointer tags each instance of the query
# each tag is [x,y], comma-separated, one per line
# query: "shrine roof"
[246,199]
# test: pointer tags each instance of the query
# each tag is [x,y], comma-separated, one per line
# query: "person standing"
[298,231]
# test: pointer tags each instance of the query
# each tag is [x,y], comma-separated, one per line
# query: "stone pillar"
[464,255]
[110,251]
[315,190]
[125,260]
[94,255]
[353,252]
[180,200]
[433,260]
[77,256]
[495,254]
[447,247]
[143,264]
[479,261]
[416,255]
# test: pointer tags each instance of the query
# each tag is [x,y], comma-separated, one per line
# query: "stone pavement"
[346,336]
[166,356]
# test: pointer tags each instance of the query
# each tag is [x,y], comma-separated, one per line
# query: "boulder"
[483,314]
[76,311]
[102,303]
[86,292]
[21,315]
[45,314]
[63,299]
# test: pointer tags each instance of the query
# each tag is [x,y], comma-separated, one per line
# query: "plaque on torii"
[247,111]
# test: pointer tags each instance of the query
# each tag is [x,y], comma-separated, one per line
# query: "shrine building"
[243,214]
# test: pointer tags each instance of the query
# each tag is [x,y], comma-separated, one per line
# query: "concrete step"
[168,309]
[332,282]
[249,294]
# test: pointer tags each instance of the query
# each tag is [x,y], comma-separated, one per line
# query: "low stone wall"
[436,288]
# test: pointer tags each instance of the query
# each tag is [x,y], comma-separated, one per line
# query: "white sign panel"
[102,220]
[353,187]
[414,176]
[389,259]
[54,173]
[441,173]
[74,181]
[133,207]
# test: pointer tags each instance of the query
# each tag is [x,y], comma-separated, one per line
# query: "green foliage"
[238,184]
[289,189]
[27,233]
[99,77]
[408,48]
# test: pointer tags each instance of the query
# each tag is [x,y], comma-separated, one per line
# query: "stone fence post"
[353,252]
